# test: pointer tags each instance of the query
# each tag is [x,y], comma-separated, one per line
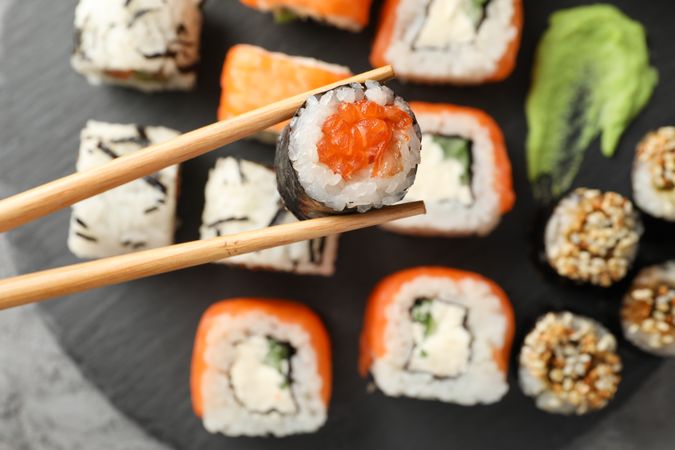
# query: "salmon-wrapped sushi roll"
[351,15]
[465,174]
[254,77]
[449,41]
[352,148]
[438,333]
[261,367]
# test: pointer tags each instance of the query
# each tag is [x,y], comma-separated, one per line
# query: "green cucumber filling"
[458,149]
[285,15]
[278,356]
[421,313]
[450,22]
[441,339]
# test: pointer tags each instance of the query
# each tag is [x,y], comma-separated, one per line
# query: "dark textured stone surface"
[134,341]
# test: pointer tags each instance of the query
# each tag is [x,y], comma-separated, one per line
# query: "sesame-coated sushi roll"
[569,364]
[592,237]
[138,215]
[449,41]
[150,45]
[352,148]
[351,15]
[261,367]
[246,85]
[242,195]
[465,174]
[438,333]
[654,174]
[648,311]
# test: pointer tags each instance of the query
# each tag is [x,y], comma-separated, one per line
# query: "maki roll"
[352,148]
[449,41]
[438,333]
[569,364]
[261,367]
[135,216]
[246,79]
[465,174]
[654,174]
[592,237]
[242,195]
[350,15]
[149,45]
[648,311]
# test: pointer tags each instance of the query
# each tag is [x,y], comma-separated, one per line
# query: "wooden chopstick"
[42,200]
[38,286]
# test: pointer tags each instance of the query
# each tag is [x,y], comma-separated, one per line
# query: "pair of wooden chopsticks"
[50,197]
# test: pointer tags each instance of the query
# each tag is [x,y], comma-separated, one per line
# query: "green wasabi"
[591,76]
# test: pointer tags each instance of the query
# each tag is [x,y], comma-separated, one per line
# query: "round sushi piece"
[592,237]
[654,174]
[569,364]
[261,367]
[438,333]
[350,149]
[465,174]
[648,311]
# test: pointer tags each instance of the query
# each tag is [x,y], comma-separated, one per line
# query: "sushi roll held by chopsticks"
[352,148]
[438,333]
[149,45]
[261,367]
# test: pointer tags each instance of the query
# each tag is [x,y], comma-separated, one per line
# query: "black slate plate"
[135,340]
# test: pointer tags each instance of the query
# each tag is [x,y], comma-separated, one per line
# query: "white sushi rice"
[468,59]
[482,381]
[363,191]
[656,202]
[221,410]
[151,37]
[446,213]
[135,216]
[247,192]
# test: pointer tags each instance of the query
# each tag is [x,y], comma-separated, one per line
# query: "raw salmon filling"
[361,135]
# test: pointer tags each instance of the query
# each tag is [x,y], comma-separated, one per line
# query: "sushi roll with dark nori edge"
[353,148]
[149,45]
[261,367]
[648,311]
[242,195]
[465,174]
[440,334]
[138,215]
[654,174]
[592,237]
[569,364]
